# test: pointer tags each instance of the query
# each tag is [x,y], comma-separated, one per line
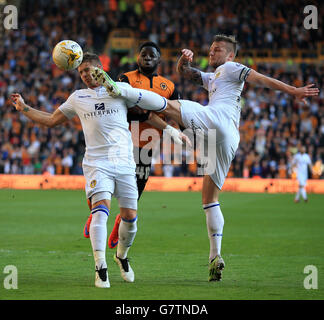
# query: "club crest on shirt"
[99,106]
[93,183]
[163,86]
[217,74]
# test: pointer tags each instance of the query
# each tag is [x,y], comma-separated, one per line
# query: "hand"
[18,101]
[187,55]
[177,136]
[307,91]
[185,139]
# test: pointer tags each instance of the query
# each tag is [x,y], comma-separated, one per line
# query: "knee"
[128,214]
[208,198]
[100,203]
[100,212]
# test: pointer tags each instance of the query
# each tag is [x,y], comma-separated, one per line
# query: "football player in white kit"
[108,164]
[302,161]
[222,114]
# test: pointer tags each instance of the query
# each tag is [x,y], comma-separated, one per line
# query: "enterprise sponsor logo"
[100,113]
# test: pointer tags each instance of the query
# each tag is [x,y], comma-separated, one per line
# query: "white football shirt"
[104,123]
[301,161]
[225,86]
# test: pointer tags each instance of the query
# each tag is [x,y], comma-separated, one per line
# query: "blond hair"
[228,39]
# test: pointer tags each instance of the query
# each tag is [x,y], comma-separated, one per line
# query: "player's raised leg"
[98,238]
[215,224]
[143,98]
[173,111]
[140,97]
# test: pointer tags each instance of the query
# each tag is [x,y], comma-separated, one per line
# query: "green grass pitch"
[268,241]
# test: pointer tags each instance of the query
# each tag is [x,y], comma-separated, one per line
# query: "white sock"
[98,234]
[126,235]
[143,98]
[215,224]
[303,193]
[100,259]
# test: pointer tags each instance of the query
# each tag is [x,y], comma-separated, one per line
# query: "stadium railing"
[176,184]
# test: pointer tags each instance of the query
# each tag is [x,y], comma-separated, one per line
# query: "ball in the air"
[67,55]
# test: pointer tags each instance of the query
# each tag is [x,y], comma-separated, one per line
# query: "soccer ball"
[67,55]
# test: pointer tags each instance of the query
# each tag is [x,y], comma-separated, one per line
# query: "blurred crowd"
[193,23]
[273,124]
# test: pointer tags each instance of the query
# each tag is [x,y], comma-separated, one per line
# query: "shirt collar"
[153,74]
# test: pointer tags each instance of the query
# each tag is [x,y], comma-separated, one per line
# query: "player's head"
[89,60]
[223,48]
[149,57]
[302,149]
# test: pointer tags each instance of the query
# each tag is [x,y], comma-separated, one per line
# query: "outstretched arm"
[300,93]
[185,69]
[44,118]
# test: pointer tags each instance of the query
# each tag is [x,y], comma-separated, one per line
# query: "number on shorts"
[143,172]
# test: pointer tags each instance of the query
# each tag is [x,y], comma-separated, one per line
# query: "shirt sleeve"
[236,71]
[67,108]
[205,76]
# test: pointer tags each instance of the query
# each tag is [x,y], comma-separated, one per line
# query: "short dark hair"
[150,44]
[91,57]
[228,39]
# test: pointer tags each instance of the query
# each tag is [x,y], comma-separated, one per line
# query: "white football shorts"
[223,141]
[118,180]
[302,179]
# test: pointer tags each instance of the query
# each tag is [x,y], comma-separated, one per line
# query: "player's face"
[218,54]
[84,71]
[148,59]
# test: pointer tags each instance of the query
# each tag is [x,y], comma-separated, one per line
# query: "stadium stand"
[272,40]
